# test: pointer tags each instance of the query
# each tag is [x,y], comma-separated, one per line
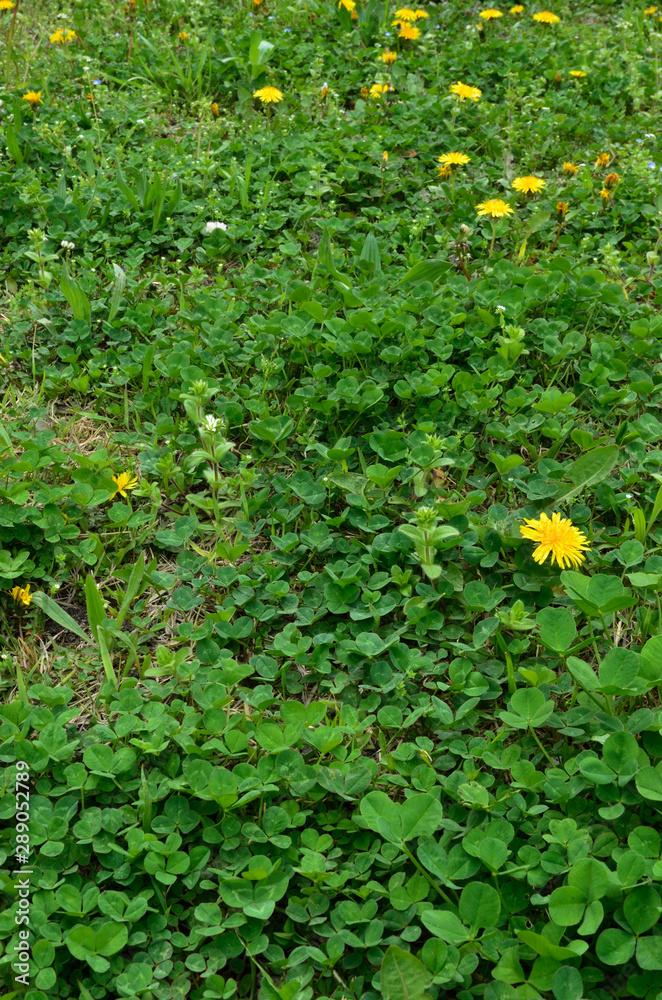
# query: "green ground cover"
[304,711]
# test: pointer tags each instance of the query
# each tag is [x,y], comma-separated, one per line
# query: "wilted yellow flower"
[268,95]
[410,32]
[577,73]
[464,92]
[125,481]
[325,90]
[385,156]
[529,185]
[454,159]
[556,536]
[389,57]
[364,91]
[445,172]
[546,17]
[605,195]
[33,97]
[378,89]
[569,168]
[611,180]
[561,208]
[347,4]
[602,159]
[57,38]
[213,107]
[22,595]
[496,208]
[490,14]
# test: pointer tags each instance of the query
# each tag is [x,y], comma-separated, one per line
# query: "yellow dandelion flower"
[421,13]
[406,14]
[491,14]
[496,208]
[33,97]
[57,38]
[569,168]
[517,9]
[546,17]
[605,195]
[529,185]
[464,92]
[22,595]
[183,36]
[354,15]
[454,159]
[561,208]
[445,172]
[649,10]
[385,157]
[125,481]
[70,36]
[409,32]
[577,73]
[611,180]
[256,3]
[378,89]
[269,95]
[349,5]
[6,4]
[556,536]
[388,57]
[213,107]
[602,159]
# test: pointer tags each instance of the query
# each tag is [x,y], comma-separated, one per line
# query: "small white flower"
[210,424]
[67,245]
[211,226]
[501,308]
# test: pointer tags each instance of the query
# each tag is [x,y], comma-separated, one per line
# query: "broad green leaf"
[94,603]
[402,976]
[615,947]
[446,926]
[589,470]
[567,905]
[117,291]
[76,297]
[649,952]
[618,670]
[649,783]
[642,909]
[557,628]
[567,984]
[480,905]
[370,252]
[426,270]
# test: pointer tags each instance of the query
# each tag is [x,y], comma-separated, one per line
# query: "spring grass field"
[330,500]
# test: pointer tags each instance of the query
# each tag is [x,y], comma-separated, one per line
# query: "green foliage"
[304,718]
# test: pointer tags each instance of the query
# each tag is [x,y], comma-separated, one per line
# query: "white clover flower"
[501,308]
[211,226]
[67,245]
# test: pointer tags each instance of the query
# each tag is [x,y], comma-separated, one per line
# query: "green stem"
[427,876]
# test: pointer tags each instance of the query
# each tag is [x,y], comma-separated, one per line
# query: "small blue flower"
[652,165]
[96,82]
[287,29]
[638,140]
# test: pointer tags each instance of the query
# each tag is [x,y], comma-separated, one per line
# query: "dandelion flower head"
[389,57]
[546,17]
[577,73]
[491,14]
[124,481]
[347,4]
[406,14]
[409,32]
[602,159]
[378,89]
[611,180]
[569,167]
[650,10]
[57,38]
[6,4]
[556,536]
[496,208]
[269,95]
[22,595]
[529,185]
[517,9]
[454,159]
[465,92]
[562,208]
[33,97]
